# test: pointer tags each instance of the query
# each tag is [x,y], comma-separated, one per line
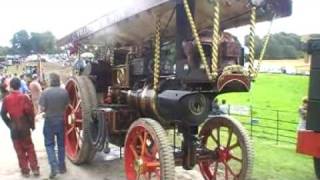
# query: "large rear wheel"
[147,152]
[77,120]
[317,167]
[229,143]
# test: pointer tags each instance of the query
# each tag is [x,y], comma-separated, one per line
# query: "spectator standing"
[215,107]
[4,87]
[20,121]
[36,90]
[24,87]
[7,82]
[224,107]
[303,114]
[53,103]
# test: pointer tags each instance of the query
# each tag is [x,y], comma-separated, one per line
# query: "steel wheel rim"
[224,149]
[142,159]
[73,121]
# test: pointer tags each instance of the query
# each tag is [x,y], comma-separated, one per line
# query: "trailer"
[159,65]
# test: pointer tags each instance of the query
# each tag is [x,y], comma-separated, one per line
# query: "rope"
[156,68]
[252,40]
[264,48]
[215,39]
[197,39]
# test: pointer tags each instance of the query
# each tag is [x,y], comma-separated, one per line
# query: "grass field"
[276,92]
[280,162]
[273,91]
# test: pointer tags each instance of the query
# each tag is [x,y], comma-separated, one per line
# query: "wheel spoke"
[134,152]
[76,108]
[152,164]
[78,120]
[140,138]
[234,146]
[138,176]
[71,107]
[144,143]
[229,137]
[150,175]
[77,146]
[215,170]
[78,134]
[75,97]
[218,136]
[70,130]
[158,174]
[205,166]
[236,158]
[228,168]
[214,139]
[147,175]
[225,172]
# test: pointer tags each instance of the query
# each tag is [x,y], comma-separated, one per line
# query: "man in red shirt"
[17,113]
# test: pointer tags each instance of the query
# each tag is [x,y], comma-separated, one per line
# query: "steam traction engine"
[162,64]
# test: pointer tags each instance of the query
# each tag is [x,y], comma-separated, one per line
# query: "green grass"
[280,162]
[273,91]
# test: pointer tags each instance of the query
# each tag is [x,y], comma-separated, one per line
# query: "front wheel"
[147,152]
[227,140]
[317,166]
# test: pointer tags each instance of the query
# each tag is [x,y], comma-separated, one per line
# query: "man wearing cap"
[35,90]
[17,113]
[53,102]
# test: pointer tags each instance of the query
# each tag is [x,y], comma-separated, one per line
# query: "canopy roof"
[137,23]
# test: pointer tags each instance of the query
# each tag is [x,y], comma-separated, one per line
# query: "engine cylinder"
[171,105]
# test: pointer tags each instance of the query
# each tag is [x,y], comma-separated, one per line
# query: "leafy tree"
[20,42]
[281,46]
[290,52]
[42,42]
[4,51]
[24,44]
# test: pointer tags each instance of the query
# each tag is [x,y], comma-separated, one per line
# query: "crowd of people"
[22,102]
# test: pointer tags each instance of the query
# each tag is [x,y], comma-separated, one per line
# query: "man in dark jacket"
[20,120]
[53,102]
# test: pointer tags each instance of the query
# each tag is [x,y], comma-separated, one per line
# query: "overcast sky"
[64,16]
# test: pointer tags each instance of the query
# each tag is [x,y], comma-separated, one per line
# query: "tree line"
[281,46]
[23,43]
